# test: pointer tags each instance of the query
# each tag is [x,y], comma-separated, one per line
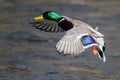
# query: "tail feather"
[101,54]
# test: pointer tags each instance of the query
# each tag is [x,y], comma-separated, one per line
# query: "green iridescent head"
[49,15]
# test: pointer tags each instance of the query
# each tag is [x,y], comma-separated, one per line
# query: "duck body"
[79,35]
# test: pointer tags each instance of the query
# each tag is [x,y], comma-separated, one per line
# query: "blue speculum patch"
[87,39]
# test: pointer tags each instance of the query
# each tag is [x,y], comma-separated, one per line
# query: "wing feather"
[47,25]
[59,47]
[74,49]
[68,51]
[77,48]
[71,45]
[65,49]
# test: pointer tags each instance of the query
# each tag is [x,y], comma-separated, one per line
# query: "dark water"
[29,54]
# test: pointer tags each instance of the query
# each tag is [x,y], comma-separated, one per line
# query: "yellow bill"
[38,17]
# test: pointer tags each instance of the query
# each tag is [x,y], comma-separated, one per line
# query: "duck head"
[49,15]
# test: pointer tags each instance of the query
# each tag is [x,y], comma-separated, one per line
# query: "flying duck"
[79,35]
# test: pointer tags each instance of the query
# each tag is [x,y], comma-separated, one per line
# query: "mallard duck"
[79,35]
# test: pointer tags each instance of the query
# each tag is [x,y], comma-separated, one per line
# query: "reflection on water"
[29,54]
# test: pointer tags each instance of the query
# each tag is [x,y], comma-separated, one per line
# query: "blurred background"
[29,54]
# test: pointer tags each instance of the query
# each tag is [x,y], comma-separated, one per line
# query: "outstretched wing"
[47,26]
[75,42]
[70,44]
